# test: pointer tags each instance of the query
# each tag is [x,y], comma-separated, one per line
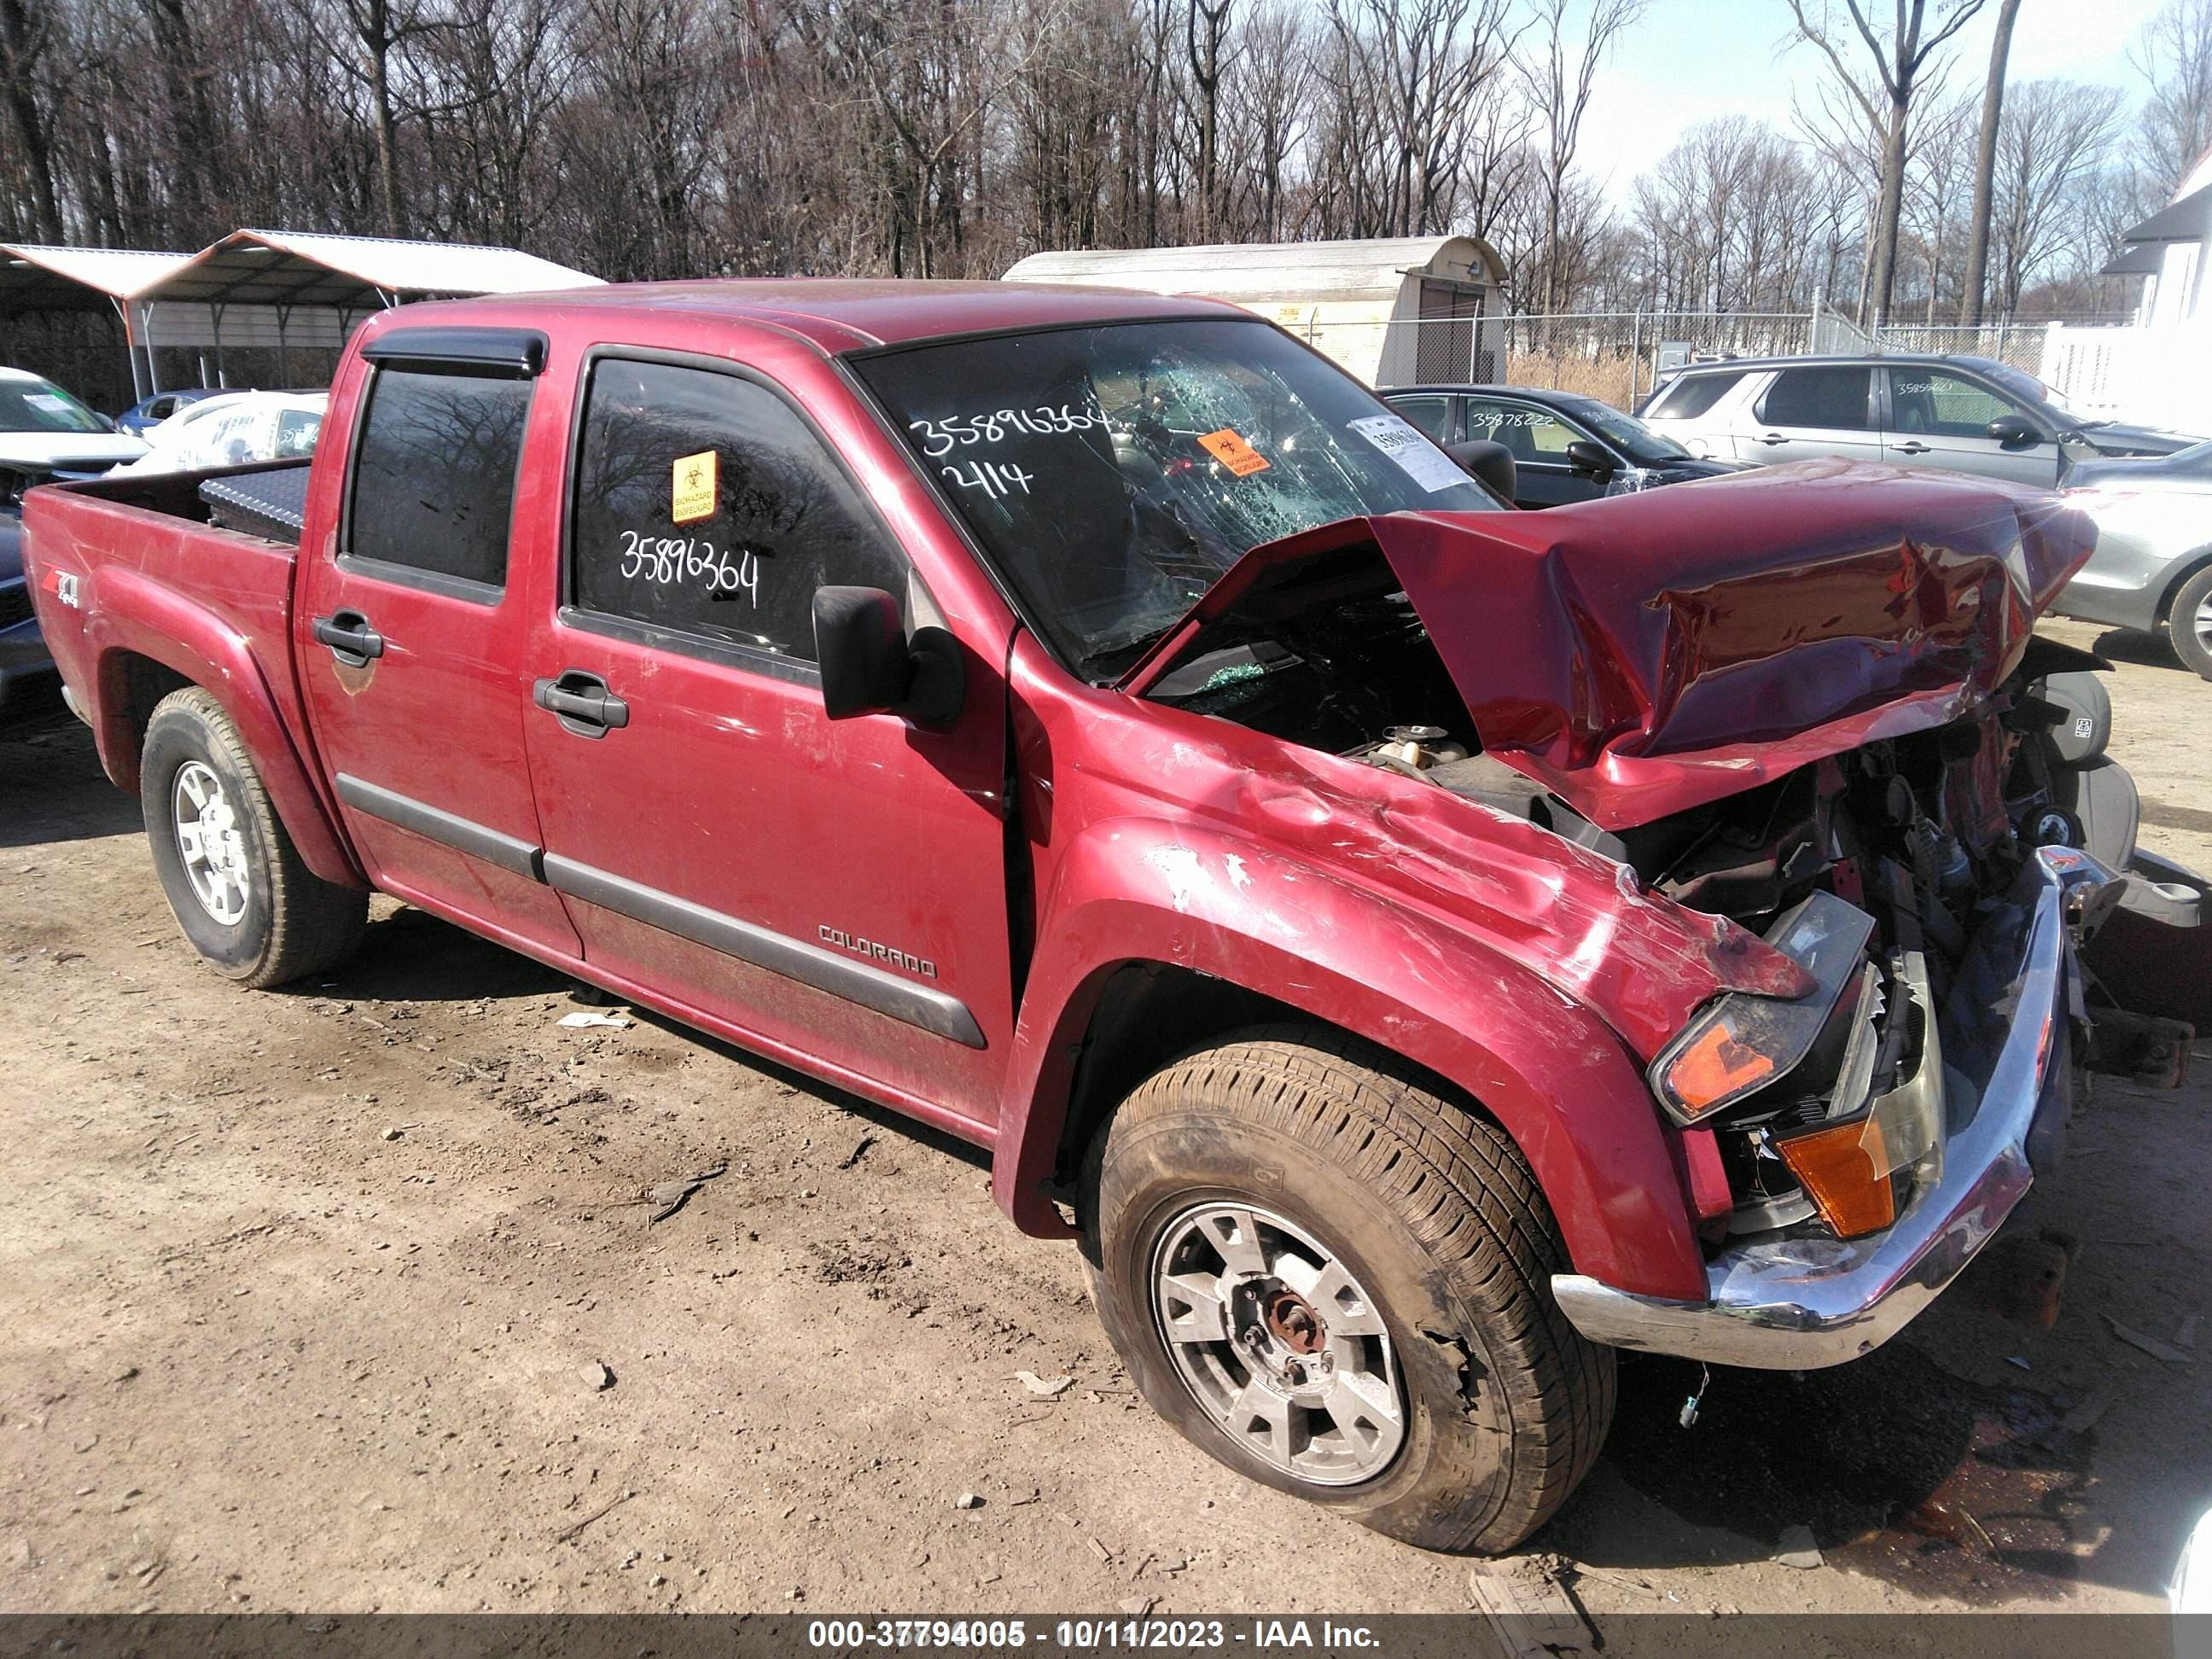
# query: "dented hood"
[1643,654]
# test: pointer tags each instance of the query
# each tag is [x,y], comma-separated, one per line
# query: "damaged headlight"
[1798,1078]
[1741,1044]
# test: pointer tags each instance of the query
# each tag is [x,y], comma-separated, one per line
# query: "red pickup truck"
[1416,946]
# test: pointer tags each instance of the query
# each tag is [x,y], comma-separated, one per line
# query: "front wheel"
[246,900]
[1337,1283]
[2188,623]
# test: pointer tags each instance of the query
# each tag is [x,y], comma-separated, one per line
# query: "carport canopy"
[37,277]
[285,288]
[348,273]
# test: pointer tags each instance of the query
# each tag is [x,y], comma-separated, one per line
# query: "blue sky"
[1691,60]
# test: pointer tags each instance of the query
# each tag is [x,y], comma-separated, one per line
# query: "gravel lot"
[351,1297]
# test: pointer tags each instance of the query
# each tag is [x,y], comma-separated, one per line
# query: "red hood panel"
[1643,654]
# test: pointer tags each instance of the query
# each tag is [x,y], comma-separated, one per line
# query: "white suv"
[1969,414]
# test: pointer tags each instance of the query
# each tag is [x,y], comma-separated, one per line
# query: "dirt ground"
[350,1297]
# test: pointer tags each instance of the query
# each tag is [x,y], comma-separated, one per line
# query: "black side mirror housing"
[1587,455]
[869,667]
[1490,463]
[2011,432]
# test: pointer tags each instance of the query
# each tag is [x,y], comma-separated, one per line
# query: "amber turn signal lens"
[1716,1067]
[1845,1172]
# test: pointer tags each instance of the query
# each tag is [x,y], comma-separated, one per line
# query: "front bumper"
[1803,1303]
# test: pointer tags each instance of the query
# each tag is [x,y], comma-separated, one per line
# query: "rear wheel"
[237,885]
[2188,623]
[1337,1283]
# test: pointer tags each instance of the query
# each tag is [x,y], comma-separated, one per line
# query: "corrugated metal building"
[1393,311]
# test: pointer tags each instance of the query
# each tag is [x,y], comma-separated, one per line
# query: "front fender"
[1553,1074]
[131,615]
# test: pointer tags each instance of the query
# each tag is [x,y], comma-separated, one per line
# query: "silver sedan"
[2153,566]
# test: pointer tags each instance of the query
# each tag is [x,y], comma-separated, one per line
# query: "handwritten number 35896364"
[672,561]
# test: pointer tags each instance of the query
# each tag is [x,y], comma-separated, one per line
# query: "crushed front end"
[1855,1147]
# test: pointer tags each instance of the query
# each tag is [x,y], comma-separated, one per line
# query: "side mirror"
[1489,463]
[1585,455]
[870,667]
[2013,432]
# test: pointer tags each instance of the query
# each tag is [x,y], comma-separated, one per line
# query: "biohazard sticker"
[1228,446]
[696,492]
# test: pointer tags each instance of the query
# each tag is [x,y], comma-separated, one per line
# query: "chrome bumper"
[1801,1304]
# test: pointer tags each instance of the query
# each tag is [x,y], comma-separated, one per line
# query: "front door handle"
[1912,449]
[1772,438]
[349,637]
[582,704]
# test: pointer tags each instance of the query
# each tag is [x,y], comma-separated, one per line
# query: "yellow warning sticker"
[696,492]
[1228,446]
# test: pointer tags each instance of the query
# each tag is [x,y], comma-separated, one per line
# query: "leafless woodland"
[650,139]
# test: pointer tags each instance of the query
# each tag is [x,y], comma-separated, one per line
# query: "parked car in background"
[45,433]
[148,413]
[233,429]
[1564,447]
[23,657]
[1968,414]
[2153,566]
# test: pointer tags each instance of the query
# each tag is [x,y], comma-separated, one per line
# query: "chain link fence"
[1619,356]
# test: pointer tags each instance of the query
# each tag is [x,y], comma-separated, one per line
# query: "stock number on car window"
[679,560]
[940,438]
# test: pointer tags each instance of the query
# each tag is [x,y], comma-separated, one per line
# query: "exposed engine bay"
[1876,868]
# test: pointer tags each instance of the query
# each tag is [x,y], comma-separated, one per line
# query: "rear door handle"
[1772,438]
[582,702]
[1912,449]
[349,637]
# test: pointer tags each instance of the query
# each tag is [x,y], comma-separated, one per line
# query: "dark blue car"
[24,663]
[152,411]
[1565,448]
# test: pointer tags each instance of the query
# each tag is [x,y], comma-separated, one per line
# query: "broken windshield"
[1112,473]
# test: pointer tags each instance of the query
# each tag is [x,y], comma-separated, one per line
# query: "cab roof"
[839,314]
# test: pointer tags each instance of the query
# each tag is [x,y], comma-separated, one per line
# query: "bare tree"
[1899,54]
[24,38]
[1206,30]
[2175,57]
[1558,72]
[2051,147]
[1985,160]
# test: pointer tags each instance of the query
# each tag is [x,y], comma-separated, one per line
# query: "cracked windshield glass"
[1114,473]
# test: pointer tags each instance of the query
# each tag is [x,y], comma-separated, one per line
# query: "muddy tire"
[2188,623]
[248,904]
[1360,1237]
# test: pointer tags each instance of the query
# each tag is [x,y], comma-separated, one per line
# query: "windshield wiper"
[1115,657]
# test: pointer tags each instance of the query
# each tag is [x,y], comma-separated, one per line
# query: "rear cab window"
[1832,397]
[707,512]
[432,493]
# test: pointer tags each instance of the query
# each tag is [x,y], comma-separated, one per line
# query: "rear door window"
[705,507]
[1431,411]
[433,472]
[1833,398]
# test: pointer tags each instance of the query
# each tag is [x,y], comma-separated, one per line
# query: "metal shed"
[1393,311]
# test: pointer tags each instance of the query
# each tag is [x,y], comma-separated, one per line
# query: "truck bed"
[145,554]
